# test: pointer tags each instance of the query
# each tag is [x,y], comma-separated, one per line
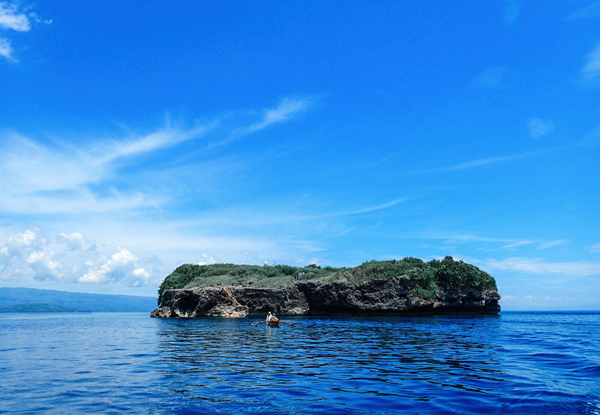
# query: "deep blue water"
[514,363]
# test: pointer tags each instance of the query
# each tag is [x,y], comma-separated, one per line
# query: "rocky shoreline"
[391,296]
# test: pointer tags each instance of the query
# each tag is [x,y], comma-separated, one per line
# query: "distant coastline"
[31,300]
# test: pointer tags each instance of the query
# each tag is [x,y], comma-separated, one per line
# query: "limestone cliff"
[389,296]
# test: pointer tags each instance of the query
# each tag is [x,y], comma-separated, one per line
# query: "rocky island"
[398,287]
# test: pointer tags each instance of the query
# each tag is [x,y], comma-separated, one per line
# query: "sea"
[128,363]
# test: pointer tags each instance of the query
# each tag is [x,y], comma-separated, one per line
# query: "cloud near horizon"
[29,256]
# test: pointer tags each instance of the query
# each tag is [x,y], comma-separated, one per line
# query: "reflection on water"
[353,363]
[492,364]
[515,363]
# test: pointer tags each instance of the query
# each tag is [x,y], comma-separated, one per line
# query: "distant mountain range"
[21,300]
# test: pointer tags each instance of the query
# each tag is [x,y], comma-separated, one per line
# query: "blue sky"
[135,138]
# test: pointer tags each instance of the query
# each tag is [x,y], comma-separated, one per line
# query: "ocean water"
[513,363]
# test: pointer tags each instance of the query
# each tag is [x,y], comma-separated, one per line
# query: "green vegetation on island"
[427,276]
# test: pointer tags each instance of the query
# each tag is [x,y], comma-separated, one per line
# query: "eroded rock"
[392,296]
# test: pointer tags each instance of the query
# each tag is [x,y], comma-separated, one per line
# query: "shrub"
[428,277]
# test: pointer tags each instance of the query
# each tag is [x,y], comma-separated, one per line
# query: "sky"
[138,137]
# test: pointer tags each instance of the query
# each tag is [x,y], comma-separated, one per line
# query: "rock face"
[392,296]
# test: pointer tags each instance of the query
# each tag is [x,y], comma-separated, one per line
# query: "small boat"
[273,321]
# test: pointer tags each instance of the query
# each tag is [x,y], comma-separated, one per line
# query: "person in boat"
[270,317]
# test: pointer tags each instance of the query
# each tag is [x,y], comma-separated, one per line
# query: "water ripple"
[127,363]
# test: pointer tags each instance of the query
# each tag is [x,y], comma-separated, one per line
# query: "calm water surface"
[514,363]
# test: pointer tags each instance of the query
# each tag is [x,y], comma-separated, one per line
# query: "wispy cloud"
[493,77]
[483,162]
[541,266]
[55,177]
[592,138]
[458,237]
[508,244]
[591,70]
[588,12]
[475,163]
[286,109]
[373,208]
[538,128]
[37,178]
[512,11]
[164,138]
[517,244]
[552,244]
[595,247]
[6,49]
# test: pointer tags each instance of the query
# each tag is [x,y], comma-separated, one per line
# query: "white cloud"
[11,19]
[208,259]
[23,242]
[595,247]
[29,250]
[75,241]
[310,261]
[140,277]
[588,12]
[43,265]
[6,50]
[121,267]
[538,128]
[507,297]
[29,256]
[591,70]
